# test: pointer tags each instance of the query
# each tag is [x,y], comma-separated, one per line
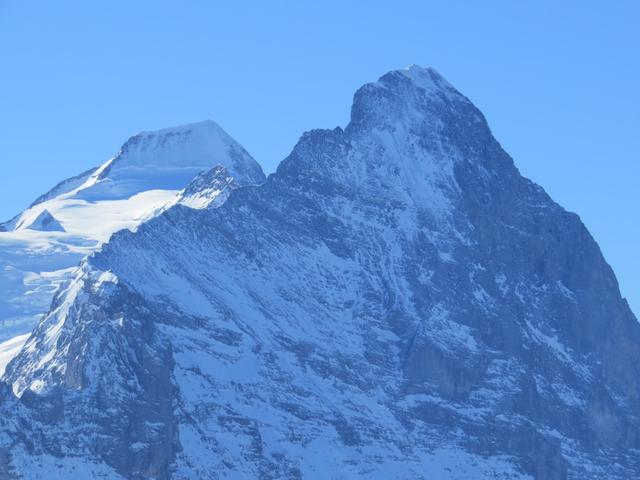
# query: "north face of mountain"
[397,301]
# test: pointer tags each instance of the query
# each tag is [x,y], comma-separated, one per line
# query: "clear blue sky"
[558,81]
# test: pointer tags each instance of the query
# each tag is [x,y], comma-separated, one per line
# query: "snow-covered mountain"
[45,222]
[41,247]
[395,302]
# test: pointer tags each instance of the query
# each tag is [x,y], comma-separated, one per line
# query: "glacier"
[395,301]
[41,247]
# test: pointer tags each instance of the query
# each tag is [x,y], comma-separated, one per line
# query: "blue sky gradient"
[558,82]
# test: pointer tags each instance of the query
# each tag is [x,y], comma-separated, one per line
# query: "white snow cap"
[192,145]
[169,159]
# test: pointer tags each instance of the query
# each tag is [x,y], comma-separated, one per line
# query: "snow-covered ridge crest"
[41,246]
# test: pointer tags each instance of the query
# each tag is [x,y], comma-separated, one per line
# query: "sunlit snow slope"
[43,244]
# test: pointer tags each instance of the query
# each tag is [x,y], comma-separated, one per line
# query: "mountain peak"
[427,78]
[170,158]
[408,132]
[40,246]
[416,95]
[45,222]
[206,124]
[197,144]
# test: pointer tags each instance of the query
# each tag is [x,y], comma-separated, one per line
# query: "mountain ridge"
[396,301]
[90,207]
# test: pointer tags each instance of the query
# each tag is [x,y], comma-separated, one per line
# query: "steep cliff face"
[396,301]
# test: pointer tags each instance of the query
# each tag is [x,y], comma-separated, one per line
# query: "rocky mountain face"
[396,301]
[41,247]
[209,189]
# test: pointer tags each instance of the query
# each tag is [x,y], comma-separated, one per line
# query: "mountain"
[396,301]
[45,222]
[41,247]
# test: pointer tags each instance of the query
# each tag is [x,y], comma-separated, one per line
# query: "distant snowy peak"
[150,169]
[40,247]
[192,145]
[44,222]
[169,159]
[408,134]
[209,189]
[66,186]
